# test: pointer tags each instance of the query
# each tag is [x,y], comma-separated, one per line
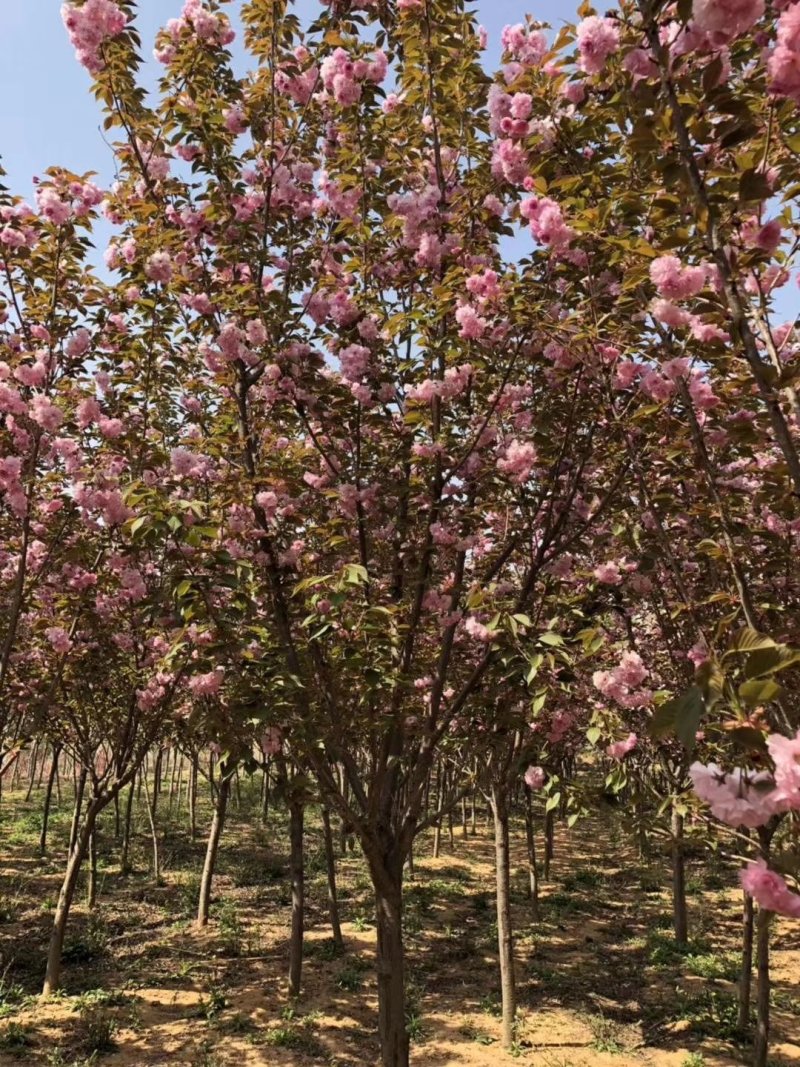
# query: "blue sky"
[47,114]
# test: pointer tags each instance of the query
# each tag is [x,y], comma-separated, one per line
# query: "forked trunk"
[52,979]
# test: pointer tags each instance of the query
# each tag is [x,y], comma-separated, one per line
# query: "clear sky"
[47,114]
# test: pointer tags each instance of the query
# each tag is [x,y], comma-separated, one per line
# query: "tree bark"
[48,799]
[76,814]
[505,935]
[761,1044]
[91,889]
[679,914]
[387,877]
[193,797]
[297,875]
[533,866]
[746,972]
[52,979]
[549,842]
[333,900]
[124,864]
[217,823]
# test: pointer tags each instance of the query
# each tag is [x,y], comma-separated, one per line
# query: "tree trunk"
[151,816]
[533,866]
[333,901]
[48,799]
[193,797]
[746,973]
[217,823]
[76,814]
[32,770]
[52,979]
[679,913]
[124,864]
[505,935]
[387,877]
[297,875]
[761,1044]
[549,842]
[265,794]
[91,889]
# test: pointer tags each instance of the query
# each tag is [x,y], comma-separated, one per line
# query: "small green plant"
[231,929]
[714,965]
[490,1005]
[16,1036]
[582,879]
[95,1031]
[89,944]
[605,1034]
[351,975]
[474,1033]
[694,1059]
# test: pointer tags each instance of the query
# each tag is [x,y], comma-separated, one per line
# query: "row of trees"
[420,418]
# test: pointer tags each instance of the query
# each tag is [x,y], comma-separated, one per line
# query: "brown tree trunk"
[680,918]
[52,979]
[32,770]
[193,796]
[48,799]
[76,813]
[533,866]
[124,864]
[333,901]
[387,877]
[746,972]
[505,935]
[297,875]
[761,1044]
[549,842]
[91,889]
[217,823]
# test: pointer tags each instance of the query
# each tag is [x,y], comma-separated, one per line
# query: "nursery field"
[601,981]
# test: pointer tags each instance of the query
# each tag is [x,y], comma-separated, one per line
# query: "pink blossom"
[597,39]
[784,63]
[619,749]
[44,412]
[159,267]
[725,19]
[59,639]
[207,684]
[608,573]
[769,890]
[89,26]
[785,753]
[738,798]
[535,777]
[518,461]
[675,281]
[546,222]
[472,326]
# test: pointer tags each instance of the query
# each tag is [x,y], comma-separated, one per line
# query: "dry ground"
[601,982]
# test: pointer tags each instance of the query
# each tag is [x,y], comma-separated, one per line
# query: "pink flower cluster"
[598,38]
[619,749]
[535,777]
[723,20]
[518,461]
[784,63]
[89,26]
[546,221]
[623,683]
[343,77]
[673,280]
[769,890]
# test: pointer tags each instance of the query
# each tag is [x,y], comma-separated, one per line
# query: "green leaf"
[552,802]
[593,734]
[550,638]
[753,185]
[680,716]
[747,640]
[769,660]
[759,691]
[355,574]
